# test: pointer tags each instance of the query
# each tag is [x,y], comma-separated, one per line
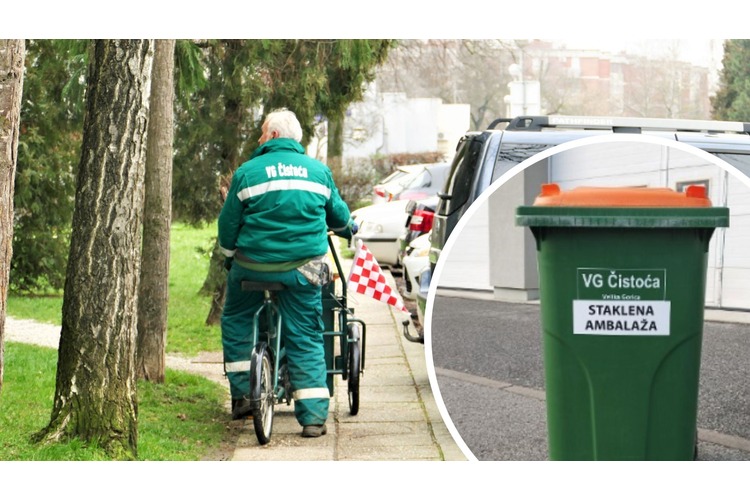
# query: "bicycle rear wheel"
[262,391]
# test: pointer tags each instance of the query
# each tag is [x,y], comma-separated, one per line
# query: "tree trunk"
[215,283]
[153,295]
[95,396]
[12,53]
[336,136]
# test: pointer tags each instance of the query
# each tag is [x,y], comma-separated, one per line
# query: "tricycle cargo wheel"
[354,367]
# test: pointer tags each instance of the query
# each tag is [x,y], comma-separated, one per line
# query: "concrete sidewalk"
[398,417]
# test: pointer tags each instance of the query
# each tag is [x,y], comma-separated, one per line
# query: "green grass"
[182,419]
[46,308]
[189,260]
[344,251]
[187,332]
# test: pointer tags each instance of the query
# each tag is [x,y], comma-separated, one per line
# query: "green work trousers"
[301,308]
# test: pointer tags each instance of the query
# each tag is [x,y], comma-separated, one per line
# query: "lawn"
[182,419]
[187,332]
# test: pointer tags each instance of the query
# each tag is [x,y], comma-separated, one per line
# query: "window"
[511,154]
[737,160]
[464,165]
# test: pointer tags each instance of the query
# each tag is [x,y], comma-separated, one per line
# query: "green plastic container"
[622,275]
[333,361]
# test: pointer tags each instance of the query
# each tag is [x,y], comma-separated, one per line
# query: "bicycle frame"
[343,312]
[268,384]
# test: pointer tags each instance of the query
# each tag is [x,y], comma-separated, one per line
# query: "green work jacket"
[280,206]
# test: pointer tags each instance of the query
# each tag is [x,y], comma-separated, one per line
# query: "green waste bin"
[622,276]
[333,361]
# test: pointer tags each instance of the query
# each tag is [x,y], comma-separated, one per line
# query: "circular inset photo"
[593,303]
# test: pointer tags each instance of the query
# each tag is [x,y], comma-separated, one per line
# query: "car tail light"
[421,221]
[379,191]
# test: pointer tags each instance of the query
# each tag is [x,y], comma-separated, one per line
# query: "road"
[488,363]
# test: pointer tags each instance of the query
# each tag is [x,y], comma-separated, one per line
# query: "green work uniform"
[276,217]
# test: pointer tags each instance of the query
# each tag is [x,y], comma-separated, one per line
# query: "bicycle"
[269,376]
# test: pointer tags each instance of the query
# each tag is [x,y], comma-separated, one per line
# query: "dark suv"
[483,156]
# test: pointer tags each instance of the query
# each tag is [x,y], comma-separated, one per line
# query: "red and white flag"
[366,277]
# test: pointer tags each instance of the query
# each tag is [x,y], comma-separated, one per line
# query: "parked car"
[483,156]
[380,227]
[415,264]
[422,292]
[412,182]
[392,182]
[419,217]
[415,260]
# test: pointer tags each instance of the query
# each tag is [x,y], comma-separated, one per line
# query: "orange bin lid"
[552,196]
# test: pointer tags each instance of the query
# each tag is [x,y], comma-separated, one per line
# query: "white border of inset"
[614,138]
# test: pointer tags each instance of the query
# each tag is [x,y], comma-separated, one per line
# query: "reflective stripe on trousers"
[237,366]
[311,393]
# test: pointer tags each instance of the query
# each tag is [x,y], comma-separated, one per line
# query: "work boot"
[314,431]
[241,408]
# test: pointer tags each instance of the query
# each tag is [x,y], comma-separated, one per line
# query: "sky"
[699,51]
[382,19]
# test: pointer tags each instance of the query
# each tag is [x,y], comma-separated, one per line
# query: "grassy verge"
[189,259]
[190,255]
[182,419]
[344,251]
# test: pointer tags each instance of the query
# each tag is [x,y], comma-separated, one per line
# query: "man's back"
[281,204]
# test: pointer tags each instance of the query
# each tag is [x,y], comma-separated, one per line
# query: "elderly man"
[273,227]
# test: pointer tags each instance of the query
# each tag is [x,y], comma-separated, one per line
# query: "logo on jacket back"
[282,170]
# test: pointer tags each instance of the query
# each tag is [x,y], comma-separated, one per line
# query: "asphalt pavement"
[488,364]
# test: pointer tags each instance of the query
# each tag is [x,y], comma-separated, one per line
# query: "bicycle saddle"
[260,286]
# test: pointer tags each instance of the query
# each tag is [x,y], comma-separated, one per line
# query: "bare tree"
[474,72]
[12,54]
[422,68]
[153,294]
[484,79]
[572,81]
[95,395]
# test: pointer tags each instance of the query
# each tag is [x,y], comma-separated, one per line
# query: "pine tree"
[48,152]
[732,101]
[313,78]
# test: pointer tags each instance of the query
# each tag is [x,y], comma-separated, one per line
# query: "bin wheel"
[354,367]
[262,392]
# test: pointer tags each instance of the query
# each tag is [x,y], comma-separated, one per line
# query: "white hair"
[285,123]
